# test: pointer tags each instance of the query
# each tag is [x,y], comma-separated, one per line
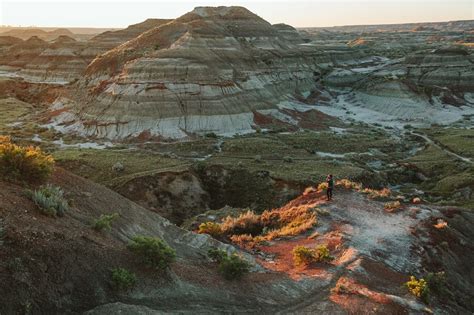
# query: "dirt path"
[443,148]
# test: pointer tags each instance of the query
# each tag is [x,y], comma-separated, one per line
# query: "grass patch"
[97,165]
[458,140]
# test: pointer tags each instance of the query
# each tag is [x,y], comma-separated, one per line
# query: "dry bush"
[377,194]
[211,228]
[246,223]
[322,186]
[441,224]
[291,221]
[24,163]
[392,206]
[246,241]
[348,184]
[304,255]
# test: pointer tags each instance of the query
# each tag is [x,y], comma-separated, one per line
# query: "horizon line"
[313,26]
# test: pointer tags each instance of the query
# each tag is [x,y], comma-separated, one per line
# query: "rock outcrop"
[207,71]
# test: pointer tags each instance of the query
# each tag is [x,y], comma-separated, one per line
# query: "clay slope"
[110,39]
[62,59]
[36,60]
[61,265]
[207,71]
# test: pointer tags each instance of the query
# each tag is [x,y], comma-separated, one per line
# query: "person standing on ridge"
[330,182]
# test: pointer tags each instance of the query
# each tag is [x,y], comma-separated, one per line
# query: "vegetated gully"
[182,194]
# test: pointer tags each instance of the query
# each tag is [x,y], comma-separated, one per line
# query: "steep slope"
[110,39]
[207,71]
[61,265]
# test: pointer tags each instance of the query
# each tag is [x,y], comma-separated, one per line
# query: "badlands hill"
[206,71]
[25,33]
[111,39]
[60,59]
[221,69]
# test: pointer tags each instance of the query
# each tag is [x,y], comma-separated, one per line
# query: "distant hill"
[463,25]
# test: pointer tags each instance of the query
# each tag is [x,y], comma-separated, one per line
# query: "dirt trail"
[443,148]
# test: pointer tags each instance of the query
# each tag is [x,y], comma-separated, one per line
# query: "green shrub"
[153,251]
[322,253]
[211,228]
[24,163]
[418,288]
[122,279]
[50,200]
[216,254]
[436,281]
[304,256]
[230,266]
[104,222]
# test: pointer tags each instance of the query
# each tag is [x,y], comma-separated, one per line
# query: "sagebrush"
[104,221]
[50,200]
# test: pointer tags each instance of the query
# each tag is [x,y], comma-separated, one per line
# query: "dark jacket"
[330,182]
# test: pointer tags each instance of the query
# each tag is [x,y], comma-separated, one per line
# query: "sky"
[299,13]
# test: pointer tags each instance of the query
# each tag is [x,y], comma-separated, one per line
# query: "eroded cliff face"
[61,59]
[207,71]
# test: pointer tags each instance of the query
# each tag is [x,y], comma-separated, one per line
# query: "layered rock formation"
[62,59]
[450,67]
[110,39]
[44,35]
[207,71]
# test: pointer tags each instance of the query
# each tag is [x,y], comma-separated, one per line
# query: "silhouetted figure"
[330,182]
